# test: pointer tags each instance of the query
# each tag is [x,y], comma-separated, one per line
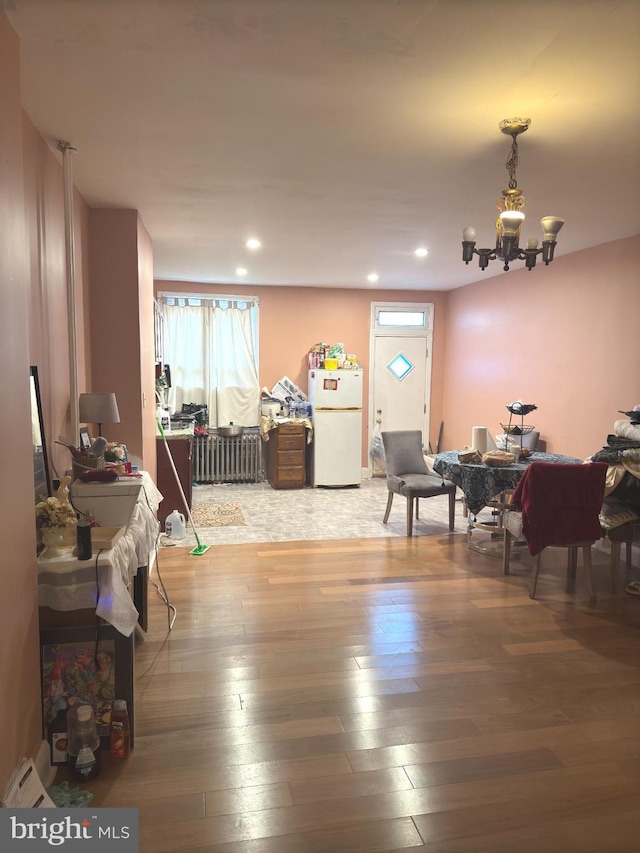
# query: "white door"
[400,382]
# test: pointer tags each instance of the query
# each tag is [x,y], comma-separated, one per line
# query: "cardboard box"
[285,389]
[105,537]
[111,504]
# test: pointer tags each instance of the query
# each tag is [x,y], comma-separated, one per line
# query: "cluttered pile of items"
[195,415]
[622,456]
[620,513]
[330,357]
[97,460]
[285,399]
[192,416]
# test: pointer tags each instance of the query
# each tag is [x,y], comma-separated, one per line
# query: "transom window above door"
[416,319]
[397,318]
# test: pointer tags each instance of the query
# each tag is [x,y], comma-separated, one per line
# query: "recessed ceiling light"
[253,244]
[373,276]
[421,252]
[241,271]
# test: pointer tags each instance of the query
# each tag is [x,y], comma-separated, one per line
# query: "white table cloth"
[65,583]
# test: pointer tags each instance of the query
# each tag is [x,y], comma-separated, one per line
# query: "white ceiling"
[342,133]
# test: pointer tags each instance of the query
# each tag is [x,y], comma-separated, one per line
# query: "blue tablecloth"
[481,483]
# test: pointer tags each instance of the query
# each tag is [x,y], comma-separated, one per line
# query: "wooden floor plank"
[546,647]
[381,695]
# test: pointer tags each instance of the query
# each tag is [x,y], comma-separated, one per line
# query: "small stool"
[628,533]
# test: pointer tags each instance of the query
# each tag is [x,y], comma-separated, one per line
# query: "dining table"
[481,483]
[484,485]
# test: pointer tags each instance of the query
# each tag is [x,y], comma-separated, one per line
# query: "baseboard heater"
[222,459]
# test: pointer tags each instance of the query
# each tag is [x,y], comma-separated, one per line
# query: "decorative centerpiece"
[52,517]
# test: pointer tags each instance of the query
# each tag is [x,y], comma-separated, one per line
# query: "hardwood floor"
[378,695]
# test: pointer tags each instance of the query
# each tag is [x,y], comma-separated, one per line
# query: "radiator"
[221,459]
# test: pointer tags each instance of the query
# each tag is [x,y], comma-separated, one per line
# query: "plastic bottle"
[163,416]
[84,744]
[174,525]
[57,734]
[120,739]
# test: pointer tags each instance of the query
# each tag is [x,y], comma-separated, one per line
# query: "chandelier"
[511,217]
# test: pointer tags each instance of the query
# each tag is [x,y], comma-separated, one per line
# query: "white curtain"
[210,348]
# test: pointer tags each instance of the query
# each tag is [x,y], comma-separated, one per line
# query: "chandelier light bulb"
[511,220]
[469,233]
[551,225]
[532,243]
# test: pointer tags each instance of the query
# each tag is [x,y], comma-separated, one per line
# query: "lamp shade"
[551,225]
[99,408]
[511,220]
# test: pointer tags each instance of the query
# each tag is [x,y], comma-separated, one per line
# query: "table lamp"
[99,408]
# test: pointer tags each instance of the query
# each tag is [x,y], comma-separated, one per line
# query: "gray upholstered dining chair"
[408,475]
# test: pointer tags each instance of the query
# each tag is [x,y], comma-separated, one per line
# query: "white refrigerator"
[336,449]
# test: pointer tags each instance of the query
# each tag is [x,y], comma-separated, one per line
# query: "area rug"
[218,514]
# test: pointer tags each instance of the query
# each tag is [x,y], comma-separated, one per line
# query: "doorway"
[400,358]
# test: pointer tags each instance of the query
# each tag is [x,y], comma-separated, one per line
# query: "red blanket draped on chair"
[560,503]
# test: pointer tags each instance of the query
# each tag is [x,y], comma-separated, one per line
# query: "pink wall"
[19,649]
[146,334]
[34,330]
[292,319]
[121,286]
[48,338]
[562,337]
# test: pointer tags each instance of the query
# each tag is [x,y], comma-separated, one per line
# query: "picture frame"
[41,474]
[85,439]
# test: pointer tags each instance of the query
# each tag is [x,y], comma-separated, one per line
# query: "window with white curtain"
[211,347]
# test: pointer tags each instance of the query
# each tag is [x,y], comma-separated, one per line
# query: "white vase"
[52,539]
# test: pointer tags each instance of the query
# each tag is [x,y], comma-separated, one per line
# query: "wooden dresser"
[286,456]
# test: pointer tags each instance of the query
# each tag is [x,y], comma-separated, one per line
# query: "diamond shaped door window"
[400,366]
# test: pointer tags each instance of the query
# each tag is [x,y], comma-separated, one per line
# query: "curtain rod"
[215,298]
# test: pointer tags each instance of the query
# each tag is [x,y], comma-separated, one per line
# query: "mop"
[200,548]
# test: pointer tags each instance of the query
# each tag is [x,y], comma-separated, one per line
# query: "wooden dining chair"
[556,506]
[620,524]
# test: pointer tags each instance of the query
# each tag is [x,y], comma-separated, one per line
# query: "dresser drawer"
[291,474]
[289,458]
[291,429]
[288,441]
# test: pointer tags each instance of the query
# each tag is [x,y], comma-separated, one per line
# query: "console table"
[88,611]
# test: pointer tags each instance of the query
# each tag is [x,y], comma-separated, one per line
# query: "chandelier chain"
[512,163]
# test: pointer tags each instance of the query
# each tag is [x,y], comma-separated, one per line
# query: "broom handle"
[175,474]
